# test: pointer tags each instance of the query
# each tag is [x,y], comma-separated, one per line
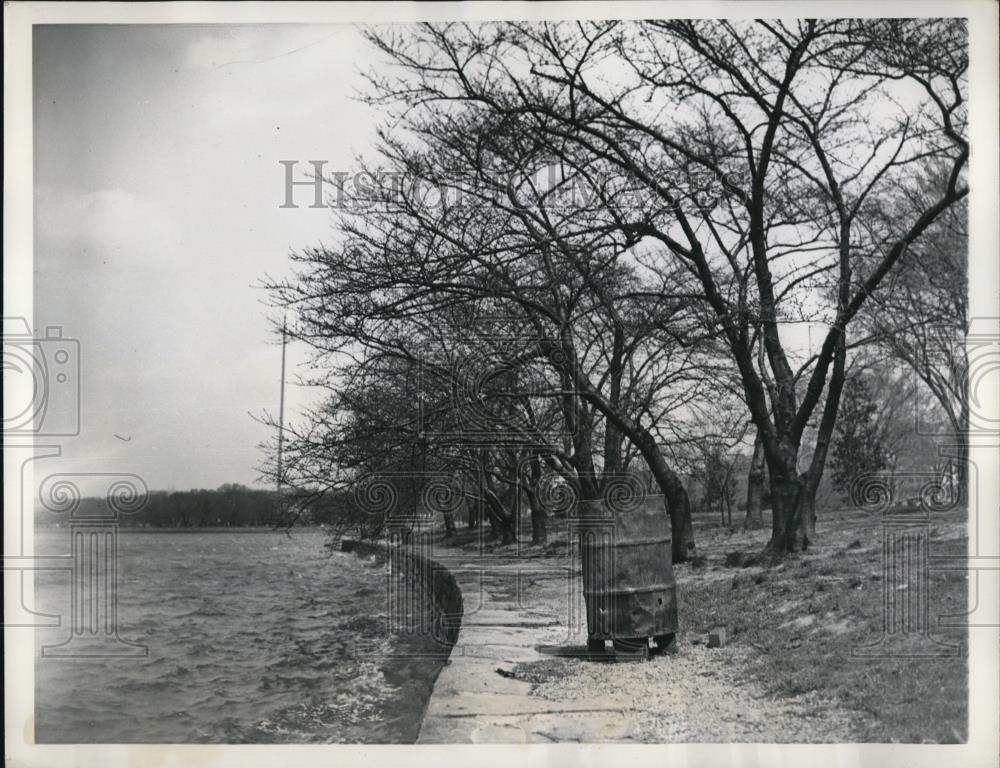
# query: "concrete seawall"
[423,594]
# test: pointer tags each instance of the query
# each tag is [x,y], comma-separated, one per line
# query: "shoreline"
[420,580]
[207,529]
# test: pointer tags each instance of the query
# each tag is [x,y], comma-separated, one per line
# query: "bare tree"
[804,125]
[921,319]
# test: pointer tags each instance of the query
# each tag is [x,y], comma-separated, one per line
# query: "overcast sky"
[157,194]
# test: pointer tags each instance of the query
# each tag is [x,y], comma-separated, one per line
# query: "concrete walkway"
[511,607]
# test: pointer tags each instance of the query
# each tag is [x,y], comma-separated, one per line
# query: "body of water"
[252,638]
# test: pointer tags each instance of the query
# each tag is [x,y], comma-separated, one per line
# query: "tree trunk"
[504,523]
[755,485]
[807,508]
[809,482]
[679,506]
[539,524]
[793,515]
[473,518]
[516,505]
[786,497]
[501,523]
[962,478]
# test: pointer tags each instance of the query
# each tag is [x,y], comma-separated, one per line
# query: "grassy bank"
[804,618]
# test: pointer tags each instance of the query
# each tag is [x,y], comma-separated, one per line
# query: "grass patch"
[805,615]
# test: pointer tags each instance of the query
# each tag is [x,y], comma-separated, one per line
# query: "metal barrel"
[628,578]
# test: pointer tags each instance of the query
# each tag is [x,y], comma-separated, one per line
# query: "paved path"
[510,609]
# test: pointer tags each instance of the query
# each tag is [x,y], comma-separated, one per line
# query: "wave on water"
[252,639]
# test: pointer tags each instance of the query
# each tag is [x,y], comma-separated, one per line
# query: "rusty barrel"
[628,577]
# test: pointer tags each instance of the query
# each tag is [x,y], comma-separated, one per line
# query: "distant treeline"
[230,505]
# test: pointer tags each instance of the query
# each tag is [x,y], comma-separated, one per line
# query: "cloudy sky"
[157,194]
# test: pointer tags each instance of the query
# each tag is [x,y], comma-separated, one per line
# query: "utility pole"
[281,404]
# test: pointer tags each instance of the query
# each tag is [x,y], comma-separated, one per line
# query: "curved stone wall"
[423,596]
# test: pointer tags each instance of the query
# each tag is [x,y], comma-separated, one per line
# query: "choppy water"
[252,637]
